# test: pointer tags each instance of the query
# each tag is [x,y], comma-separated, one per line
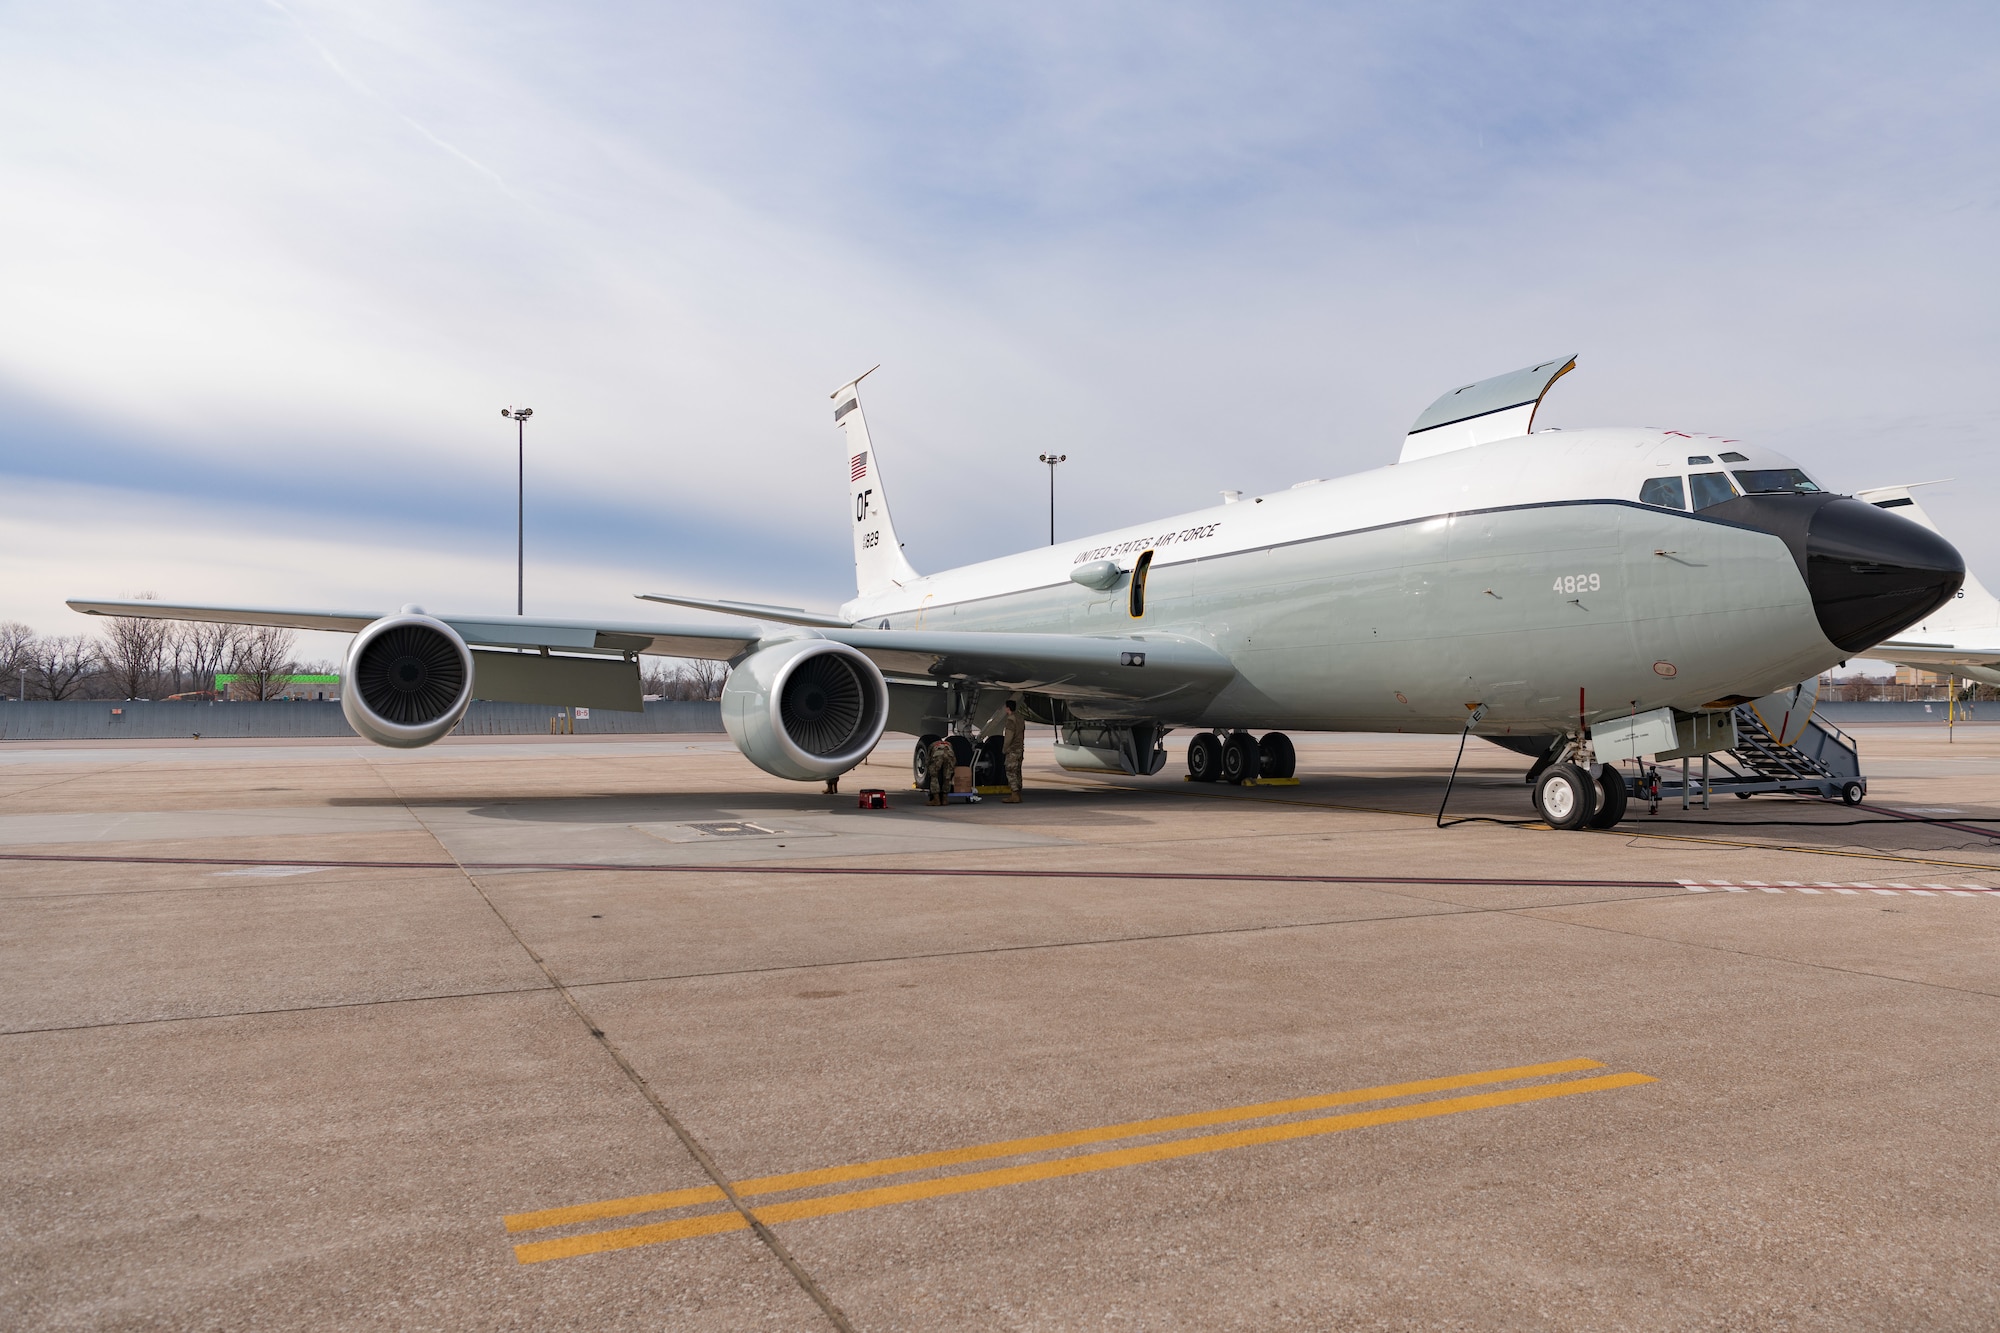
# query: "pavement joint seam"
[693,1146]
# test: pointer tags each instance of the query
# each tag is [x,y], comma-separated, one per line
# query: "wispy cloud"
[292,258]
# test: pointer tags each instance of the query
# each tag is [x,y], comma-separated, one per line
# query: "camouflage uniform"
[1015,732]
[944,761]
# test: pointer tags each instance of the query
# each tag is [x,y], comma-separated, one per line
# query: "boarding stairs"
[1824,760]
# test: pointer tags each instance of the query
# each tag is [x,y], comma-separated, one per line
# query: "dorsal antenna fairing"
[879,563]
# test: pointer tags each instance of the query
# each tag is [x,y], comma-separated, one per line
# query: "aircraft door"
[1136,599]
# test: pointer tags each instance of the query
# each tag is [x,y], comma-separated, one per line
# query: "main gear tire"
[1204,757]
[920,764]
[1240,758]
[1277,758]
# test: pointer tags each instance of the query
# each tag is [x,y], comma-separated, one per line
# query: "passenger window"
[1767,480]
[1665,492]
[1710,488]
[1138,598]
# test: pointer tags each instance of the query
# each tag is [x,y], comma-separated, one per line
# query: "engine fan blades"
[822,704]
[410,675]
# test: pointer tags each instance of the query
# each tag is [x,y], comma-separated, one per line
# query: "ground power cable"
[1463,736]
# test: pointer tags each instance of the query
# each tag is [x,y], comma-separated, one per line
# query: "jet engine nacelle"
[408,680]
[806,710]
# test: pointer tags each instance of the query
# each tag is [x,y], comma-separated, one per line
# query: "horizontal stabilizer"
[783,615]
[1474,414]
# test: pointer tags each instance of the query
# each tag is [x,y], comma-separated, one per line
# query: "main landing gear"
[1568,797]
[1240,757]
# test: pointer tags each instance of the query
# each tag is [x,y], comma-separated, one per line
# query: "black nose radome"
[1870,573]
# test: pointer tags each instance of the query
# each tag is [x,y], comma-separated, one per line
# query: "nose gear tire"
[1611,798]
[1566,796]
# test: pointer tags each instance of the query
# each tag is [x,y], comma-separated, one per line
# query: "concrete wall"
[94,720]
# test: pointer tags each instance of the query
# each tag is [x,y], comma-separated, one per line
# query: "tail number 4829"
[1569,585]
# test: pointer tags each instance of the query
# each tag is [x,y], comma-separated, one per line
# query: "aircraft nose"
[1872,574]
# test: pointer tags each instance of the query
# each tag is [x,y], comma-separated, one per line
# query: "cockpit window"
[1733,457]
[1697,459]
[1710,488]
[1763,481]
[1665,492]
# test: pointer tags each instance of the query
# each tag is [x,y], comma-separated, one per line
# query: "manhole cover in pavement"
[738,830]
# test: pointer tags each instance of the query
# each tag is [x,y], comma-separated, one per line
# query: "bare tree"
[704,677]
[684,678]
[135,653]
[205,649]
[16,644]
[60,667]
[264,663]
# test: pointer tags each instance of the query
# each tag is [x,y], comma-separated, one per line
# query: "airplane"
[1962,636]
[1583,597]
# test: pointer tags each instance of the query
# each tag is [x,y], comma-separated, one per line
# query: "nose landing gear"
[1566,796]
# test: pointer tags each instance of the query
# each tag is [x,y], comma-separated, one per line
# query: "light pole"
[520,416]
[1052,460]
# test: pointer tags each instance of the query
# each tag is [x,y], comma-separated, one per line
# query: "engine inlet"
[823,704]
[410,675]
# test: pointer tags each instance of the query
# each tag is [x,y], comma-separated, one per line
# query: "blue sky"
[273,269]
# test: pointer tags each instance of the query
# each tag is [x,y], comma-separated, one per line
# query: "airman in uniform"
[944,762]
[1014,732]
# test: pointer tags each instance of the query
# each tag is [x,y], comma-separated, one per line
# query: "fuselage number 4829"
[1571,584]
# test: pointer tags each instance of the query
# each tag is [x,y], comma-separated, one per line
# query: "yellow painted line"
[714,1224]
[889,1166]
[591,1212]
[969,1182]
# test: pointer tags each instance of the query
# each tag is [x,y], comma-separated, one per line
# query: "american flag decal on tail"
[860,466]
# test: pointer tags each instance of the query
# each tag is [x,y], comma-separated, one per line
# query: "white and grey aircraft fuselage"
[1559,585]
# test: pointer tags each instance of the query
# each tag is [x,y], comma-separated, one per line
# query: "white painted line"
[1923,893]
[1804,889]
[1733,889]
[1962,893]
[1838,889]
[1754,883]
[1695,888]
[1890,892]
[1768,889]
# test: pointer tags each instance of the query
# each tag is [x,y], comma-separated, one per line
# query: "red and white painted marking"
[1796,886]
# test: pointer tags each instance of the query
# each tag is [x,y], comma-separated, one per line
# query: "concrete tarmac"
[608,1032]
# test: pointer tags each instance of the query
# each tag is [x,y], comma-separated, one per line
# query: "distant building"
[295,687]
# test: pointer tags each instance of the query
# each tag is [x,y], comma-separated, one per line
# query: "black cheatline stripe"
[952,872]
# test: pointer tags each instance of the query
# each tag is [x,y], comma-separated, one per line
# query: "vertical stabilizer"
[1973,608]
[878,557]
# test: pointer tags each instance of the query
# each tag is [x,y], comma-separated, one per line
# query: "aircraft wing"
[718,642]
[1132,668]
